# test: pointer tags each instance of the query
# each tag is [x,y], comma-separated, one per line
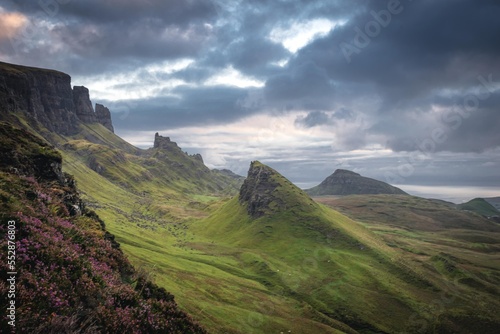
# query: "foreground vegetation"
[71,274]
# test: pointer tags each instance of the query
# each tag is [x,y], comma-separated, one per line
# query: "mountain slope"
[71,276]
[452,245]
[162,184]
[344,274]
[344,182]
[480,206]
[495,201]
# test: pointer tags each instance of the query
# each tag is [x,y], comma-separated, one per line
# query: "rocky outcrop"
[345,182]
[45,97]
[83,105]
[197,157]
[170,148]
[265,192]
[164,142]
[104,116]
[257,189]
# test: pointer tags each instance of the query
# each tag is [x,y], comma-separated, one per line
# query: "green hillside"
[70,274]
[480,206]
[147,187]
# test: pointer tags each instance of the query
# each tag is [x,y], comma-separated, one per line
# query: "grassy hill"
[345,182]
[125,183]
[480,206]
[495,201]
[71,275]
[310,269]
[450,244]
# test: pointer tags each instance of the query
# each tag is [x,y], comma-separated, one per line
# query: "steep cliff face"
[83,105]
[45,96]
[104,116]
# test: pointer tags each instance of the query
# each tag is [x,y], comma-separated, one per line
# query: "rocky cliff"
[345,182]
[104,116]
[83,106]
[265,192]
[45,97]
[164,143]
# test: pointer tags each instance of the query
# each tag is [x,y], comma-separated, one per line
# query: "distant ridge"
[345,182]
[480,206]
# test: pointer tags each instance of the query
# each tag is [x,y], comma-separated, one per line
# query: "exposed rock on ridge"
[83,106]
[257,188]
[164,142]
[345,182]
[265,191]
[104,116]
[45,96]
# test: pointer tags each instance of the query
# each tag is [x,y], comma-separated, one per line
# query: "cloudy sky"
[404,91]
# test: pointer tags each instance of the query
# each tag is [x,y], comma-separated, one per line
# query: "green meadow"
[358,264]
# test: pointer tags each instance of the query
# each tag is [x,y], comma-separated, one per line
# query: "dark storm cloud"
[171,12]
[85,37]
[314,118]
[202,106]
[391,60]
[459,129]
[425,48]
[303,87]
[253,55]
[428,44]
[318,118]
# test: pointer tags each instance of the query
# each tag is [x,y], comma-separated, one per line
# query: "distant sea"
[455,194]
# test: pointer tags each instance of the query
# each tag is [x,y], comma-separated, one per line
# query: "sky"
[407,92]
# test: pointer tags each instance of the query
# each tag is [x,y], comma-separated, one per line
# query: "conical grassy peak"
[265,191]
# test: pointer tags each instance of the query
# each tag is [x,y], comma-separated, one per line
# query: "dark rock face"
[170,148]
[83,106]
[46,97]
[164,142]
[345,182]
[197,157]
[43,95]
[104,116]
[257,189]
